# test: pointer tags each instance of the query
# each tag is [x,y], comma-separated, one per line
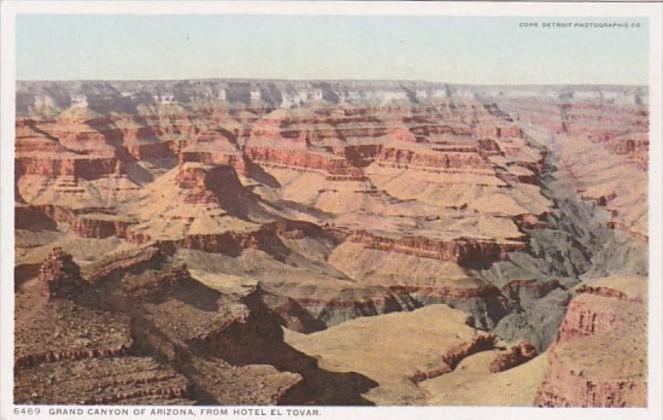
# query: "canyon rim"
[378,240]
[262,241]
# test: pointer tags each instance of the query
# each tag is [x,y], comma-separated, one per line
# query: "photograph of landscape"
[330,210]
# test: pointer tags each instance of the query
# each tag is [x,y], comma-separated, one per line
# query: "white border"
[651,10]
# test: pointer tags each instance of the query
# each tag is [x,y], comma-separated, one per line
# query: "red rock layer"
[124,262]
[480,342]
[216,185]
[235,242]
[59,276]
[606,292]
[575,389]
[87,223]
[598,357]
[235,160]
[116,380]
[446,293]
[72,150]
[158,284]
[617,133]
[464,251]
[50,356]
[430,160]
[513,357]
[86,167]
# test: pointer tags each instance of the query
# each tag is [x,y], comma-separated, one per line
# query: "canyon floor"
[330,243]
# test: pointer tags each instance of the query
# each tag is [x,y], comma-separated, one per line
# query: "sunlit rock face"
[242,227]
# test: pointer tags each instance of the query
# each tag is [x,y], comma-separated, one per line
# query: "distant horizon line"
[257,79]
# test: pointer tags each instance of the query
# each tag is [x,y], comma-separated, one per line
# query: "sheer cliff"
[232,231]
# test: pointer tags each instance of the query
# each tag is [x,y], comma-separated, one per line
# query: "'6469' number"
[27,411]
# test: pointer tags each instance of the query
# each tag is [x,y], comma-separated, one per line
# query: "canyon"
[330,243]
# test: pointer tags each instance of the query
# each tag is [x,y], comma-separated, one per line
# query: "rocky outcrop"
[607,292]
[66,322]
[50,356]
[528,292]
[289,158]
[575,389]
[582,319]
[516,355]
[347,201]
[157,285]
[122,262]
[237,161]
[150,151]
[488,131]
[599,356]
[352,303]
[436,161]
[265,238]
[88,226]
[101,347]
[480,342]
[213,185]
[467,252]
[95,223]
[60,276]
[115,380]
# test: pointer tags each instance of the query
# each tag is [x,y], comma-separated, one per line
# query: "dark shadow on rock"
[196,294]
[288,311]
[293,205]
[260,341]
[25,272]
[33,219]
[257,173]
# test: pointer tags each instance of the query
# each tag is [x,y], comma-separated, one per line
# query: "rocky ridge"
[329,201]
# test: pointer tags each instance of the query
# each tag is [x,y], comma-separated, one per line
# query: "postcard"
[335,210]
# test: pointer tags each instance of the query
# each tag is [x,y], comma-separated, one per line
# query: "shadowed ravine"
[341,243]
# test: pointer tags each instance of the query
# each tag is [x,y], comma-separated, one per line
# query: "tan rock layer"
[464,251]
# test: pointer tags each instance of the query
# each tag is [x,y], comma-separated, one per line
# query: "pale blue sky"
[477,50]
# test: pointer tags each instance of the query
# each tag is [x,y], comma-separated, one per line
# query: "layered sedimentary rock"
[211,215]
[90,347]
[59,276]
[599,356]
[72,348]
[601,140]
[123,380]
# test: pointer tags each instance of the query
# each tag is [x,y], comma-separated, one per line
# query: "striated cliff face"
[466,252]
[601,144]
[101,344]
[599,356]
[208,217]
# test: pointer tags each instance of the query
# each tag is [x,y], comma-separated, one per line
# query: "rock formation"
[59,276]
[237,231]
[599,356]
[516,355]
